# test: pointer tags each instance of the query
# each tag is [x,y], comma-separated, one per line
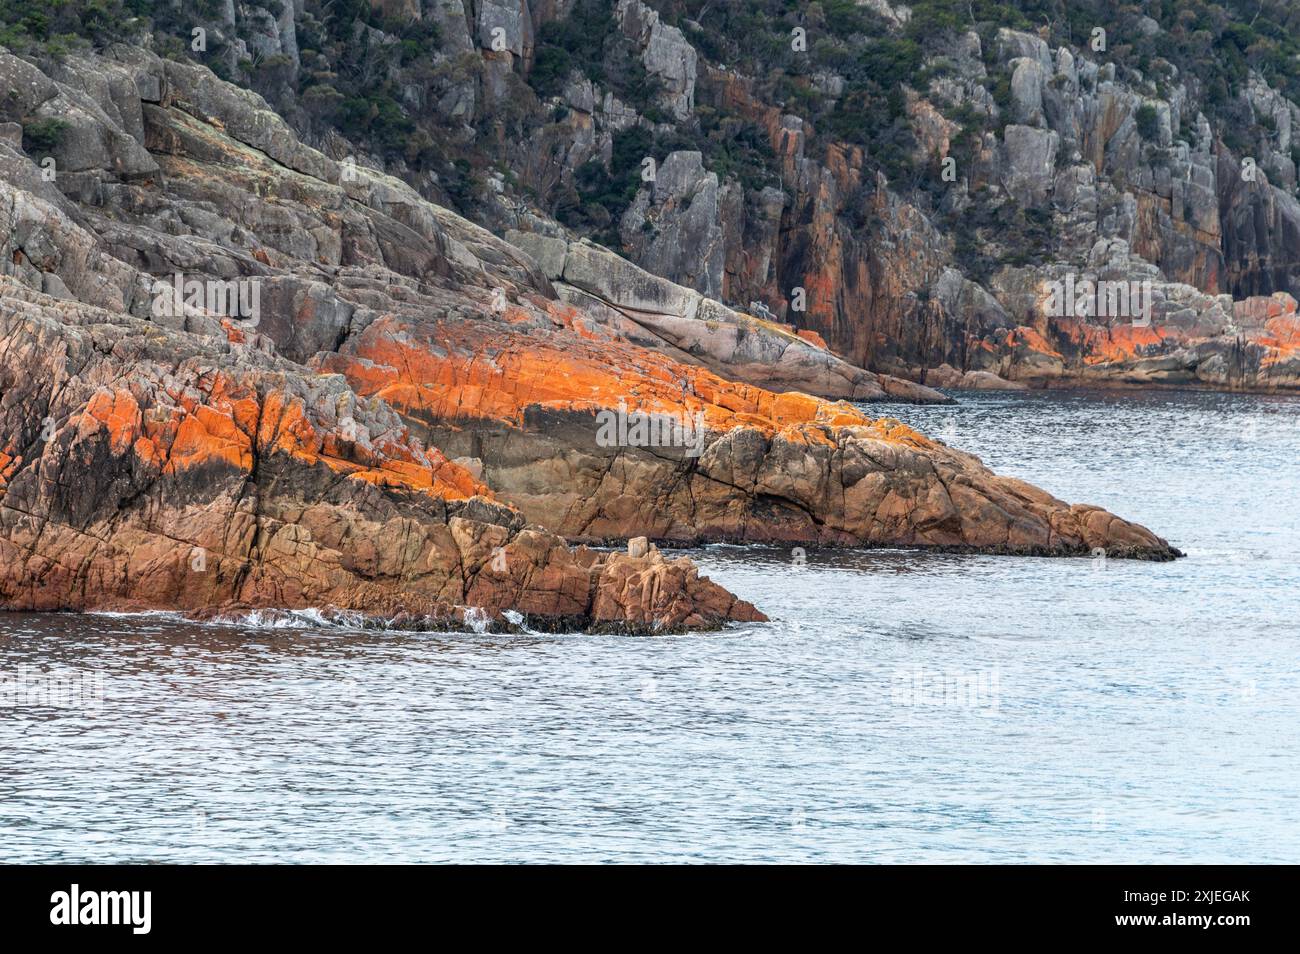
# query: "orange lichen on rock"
[1121,342]
[170,437]
[447,372]
[223,428]
[285,427]
[1257,309]
[118,412]
[8,465]
[1032,339]
[900,433]
[569,317]
[812,337]
[209,435]
[90,524]
[1282,336]
[234,333]
[516,315]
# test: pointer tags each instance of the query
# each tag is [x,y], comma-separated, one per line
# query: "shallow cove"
[902,706]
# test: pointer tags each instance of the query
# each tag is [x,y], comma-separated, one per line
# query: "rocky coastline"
[411,423]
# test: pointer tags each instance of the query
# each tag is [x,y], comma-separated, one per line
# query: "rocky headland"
[416,420]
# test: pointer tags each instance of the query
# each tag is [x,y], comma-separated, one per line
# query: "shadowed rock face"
[413,424]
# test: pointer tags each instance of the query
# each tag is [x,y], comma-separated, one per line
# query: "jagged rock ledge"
[154,469]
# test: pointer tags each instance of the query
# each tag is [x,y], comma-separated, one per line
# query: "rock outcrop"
[674,225]
[178,458]
[765,468]
[419,418]
[151,468]
[1140,195]
[899,184]
[666,54]
[1182,213]
[1180,337]
[656,313]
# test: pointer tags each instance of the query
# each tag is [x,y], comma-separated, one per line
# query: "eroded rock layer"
[156,469]
[418,421]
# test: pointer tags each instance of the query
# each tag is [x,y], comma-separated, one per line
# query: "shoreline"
[1105,384]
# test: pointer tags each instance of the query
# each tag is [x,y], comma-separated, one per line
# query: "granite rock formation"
[421,419]
[902,186]
[153,468]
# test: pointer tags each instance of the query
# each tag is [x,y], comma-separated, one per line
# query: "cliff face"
[901,184]
[1171,205]
[417,417]
[1138,192]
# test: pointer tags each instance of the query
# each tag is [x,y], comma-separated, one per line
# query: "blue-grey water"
[901,707]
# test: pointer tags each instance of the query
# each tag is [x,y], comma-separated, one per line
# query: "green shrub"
[550,69]
[43,135]
[1148,122]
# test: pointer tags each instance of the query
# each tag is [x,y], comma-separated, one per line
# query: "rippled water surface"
[900,708]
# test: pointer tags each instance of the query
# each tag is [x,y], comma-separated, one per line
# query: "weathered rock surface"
[768,467]
[674,225]
[152,469]
[1180,336]
[1066,150]
[416,424]
[1170,205]
[1058,148]
[665,53]
[182,463]
[654,312]
[946,376]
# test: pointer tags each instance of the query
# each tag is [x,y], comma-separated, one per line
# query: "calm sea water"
[900,708]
